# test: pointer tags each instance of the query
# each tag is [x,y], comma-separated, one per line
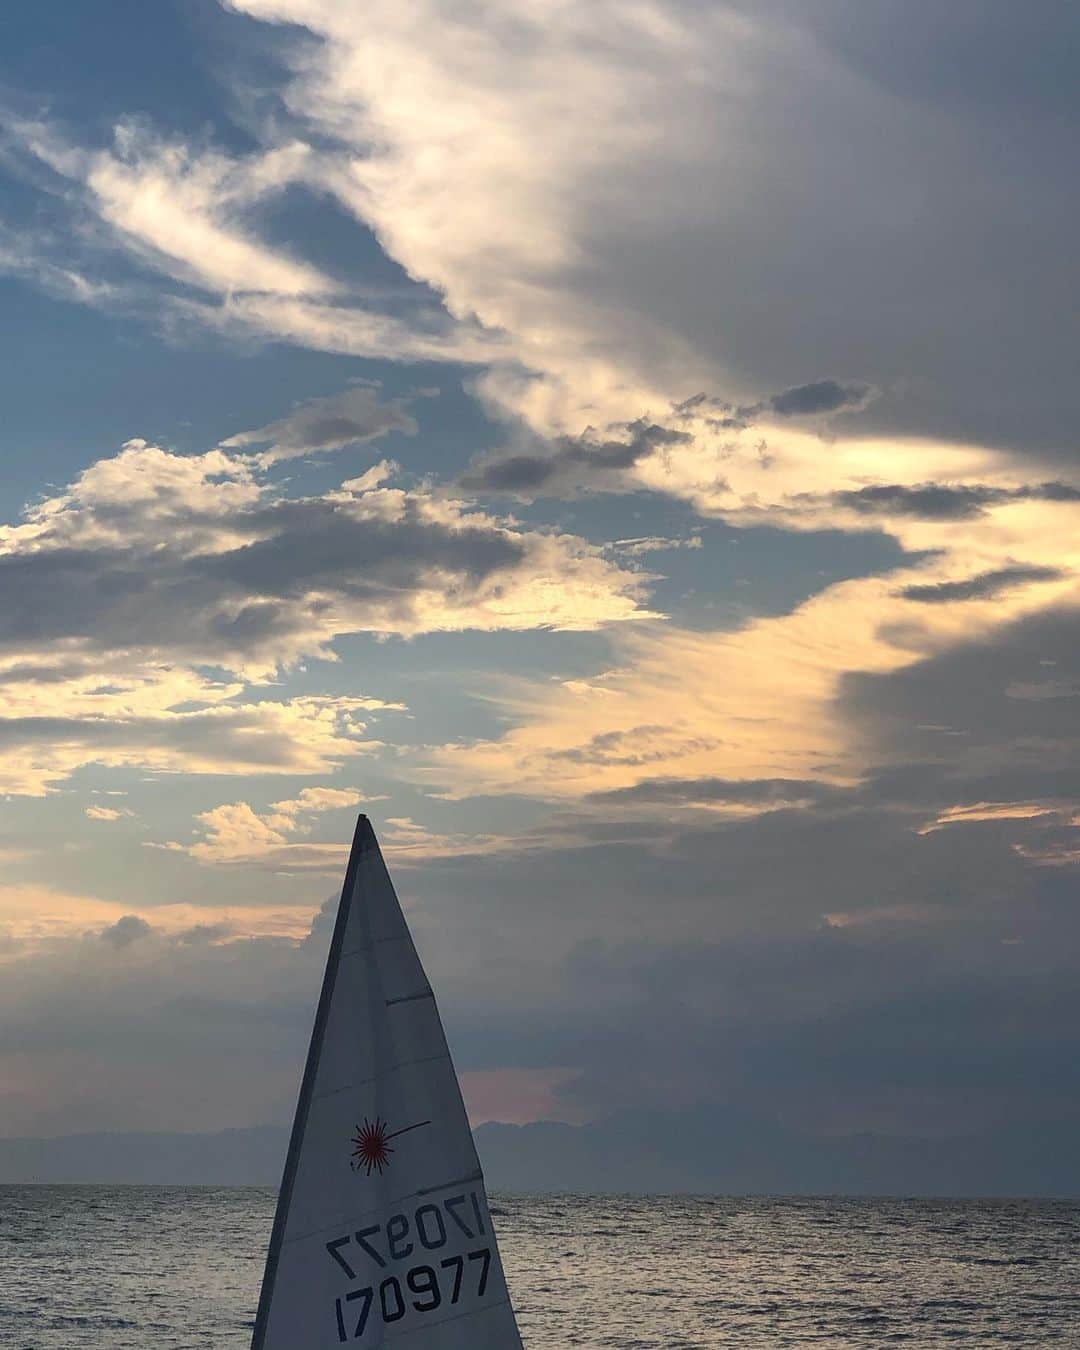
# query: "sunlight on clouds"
[109,814]
[179,208]
[750,704]
[163,199]
[235,833]
[152,567]
[713,273]
[190,215]
[34,917]
[264,579]
[299,736]
[517,1096]
[463,149]
[407,843]
[1053,840]
[976,812]
[759,702]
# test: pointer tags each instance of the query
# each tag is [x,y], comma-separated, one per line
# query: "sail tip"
[364,838]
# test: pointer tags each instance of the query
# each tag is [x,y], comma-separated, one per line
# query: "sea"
[158,1268]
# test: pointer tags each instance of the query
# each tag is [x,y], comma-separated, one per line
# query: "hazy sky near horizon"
[627,449]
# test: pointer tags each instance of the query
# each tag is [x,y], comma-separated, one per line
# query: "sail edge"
[363,840]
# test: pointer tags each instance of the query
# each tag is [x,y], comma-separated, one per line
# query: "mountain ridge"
[699,1150]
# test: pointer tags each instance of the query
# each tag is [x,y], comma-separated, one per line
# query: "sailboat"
[382,1234]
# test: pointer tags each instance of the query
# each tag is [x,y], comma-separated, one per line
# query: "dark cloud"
[360,555]
[204,934]
[574,463]
[737,792]
[356,415]
[41,672]
[183,1031]
[824,396]
[935,501]
[967,707]
[126,930]
[901,210]
[259,583]
[629,747]
[984,586]
[822,961]
[975,57]
[227,737]
[827,966]
[820,398]
[852,957]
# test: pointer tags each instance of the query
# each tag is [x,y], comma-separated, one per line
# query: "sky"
[629,451]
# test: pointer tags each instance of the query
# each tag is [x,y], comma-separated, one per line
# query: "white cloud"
[181,209]
[190,215]
[303,735]
[235,833]
[635,548]
[408,843]
[108,814]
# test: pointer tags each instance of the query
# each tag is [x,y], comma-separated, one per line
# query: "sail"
[382,1234]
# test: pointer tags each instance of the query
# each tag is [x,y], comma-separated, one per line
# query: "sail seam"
[472,1178]
[410,998]
[383,1073]
[375,942]
[457,1181]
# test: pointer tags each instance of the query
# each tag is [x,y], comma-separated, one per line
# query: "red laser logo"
[371,1144]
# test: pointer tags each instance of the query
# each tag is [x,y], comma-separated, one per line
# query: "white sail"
[382,1234]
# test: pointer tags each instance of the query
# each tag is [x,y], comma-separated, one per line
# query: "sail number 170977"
[424,1286]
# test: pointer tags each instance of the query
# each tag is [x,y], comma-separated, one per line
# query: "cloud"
[826,123]
[753,805]
[561,262]
[303,735]
[676,704]
[144,1023]
[769,700]
[235,833]
[1007,748]
[982,587]
[126,930]
[193,557]
[152,567]
[355,416]
[175,206]
[106,813]
[823,396]
[189,217]
[407,843]
[635,548]
[35,918]
[725,794]
[934,501]
[574,463]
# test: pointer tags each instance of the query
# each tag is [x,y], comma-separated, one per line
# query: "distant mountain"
[723,1152]
[251,1157]
[704,1150]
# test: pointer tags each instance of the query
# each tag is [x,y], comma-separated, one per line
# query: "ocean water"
[141,1268]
